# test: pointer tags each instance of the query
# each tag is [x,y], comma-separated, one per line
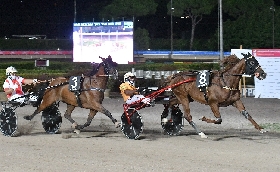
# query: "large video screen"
[91,40]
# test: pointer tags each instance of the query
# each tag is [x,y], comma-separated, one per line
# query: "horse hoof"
[164,120]
[74,125]
[118,124]
[263,131]
[77,131]
[202,135]
[203,118]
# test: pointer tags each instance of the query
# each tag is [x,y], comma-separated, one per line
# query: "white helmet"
[127,75]
[126,78]
[10,70]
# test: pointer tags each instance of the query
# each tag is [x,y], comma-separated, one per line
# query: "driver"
[128,91]
[13,85]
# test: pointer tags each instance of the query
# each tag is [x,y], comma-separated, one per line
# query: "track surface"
[232,146]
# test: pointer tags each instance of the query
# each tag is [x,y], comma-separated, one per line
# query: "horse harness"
[75,86]
[203,82]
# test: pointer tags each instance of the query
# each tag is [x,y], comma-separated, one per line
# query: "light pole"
[221,30]
[75,11]
[171,30]
[273,11]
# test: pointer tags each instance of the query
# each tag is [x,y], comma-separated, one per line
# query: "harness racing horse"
[221,91]
[83,91]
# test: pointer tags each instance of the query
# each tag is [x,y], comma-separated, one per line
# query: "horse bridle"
[107,71]
[251,65]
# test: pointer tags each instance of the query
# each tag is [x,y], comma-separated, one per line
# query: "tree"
[249,24]
[192,9]
[141,39]
[131,9]
[128,9]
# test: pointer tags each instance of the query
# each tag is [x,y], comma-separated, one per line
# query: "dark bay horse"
[88,93]
[222,91]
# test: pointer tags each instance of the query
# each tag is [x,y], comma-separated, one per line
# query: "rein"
[104,75]
[58,85]
[235,75]
[97,89]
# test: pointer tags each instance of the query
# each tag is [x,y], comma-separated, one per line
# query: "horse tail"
[40,91]
[40,95]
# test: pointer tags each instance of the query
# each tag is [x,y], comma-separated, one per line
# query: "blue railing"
[202,53]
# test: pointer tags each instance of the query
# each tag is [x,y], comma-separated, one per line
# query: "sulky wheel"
[51,119]
[173,125]
[8,121]
[133,130]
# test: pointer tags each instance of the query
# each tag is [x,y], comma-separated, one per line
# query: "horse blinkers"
[110,67]
[253,67]
[115,74]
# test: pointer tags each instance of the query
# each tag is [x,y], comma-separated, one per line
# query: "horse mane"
[110,61]
[95,67]
[229,61]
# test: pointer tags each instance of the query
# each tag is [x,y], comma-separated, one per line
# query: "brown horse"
[89,93]
[222,90]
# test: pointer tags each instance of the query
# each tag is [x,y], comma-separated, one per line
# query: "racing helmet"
[126,77]
[10,70]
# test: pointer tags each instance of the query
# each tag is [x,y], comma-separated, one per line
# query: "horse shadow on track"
[214,135]
[222,135]
[149,134]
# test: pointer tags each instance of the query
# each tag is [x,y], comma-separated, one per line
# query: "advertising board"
[91,40]
[269,59]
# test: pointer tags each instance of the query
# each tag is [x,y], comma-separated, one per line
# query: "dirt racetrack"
[232,146]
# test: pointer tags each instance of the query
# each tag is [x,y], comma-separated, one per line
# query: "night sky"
[54,18]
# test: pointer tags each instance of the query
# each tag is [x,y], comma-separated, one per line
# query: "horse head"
[252,67]
[106,68]
[110,67]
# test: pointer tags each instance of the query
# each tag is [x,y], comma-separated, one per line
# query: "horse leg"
[239,105]
[98,107]
[91,115]
[107,113]
[186,105]
[215,110]
[42,106]
[173,101]
[67,115]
